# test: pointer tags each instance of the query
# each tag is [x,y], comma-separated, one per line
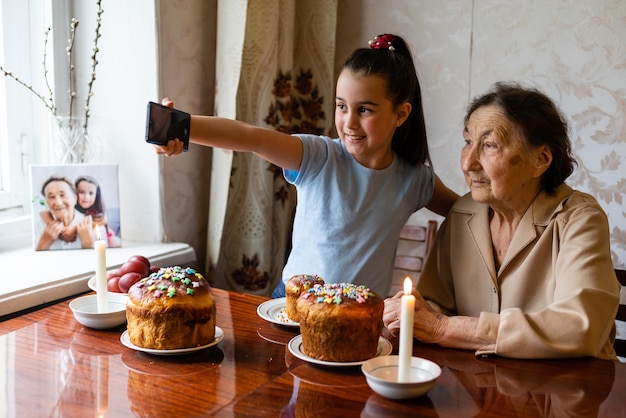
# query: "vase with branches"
[71,140]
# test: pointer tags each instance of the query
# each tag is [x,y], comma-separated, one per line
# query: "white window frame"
[24,120]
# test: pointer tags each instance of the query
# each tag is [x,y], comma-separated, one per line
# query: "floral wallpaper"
[573,50]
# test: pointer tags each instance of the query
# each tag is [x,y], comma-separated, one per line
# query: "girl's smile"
[366,119]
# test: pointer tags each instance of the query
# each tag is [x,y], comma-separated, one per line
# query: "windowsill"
[32,278]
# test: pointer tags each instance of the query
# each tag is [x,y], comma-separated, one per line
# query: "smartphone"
[164,123]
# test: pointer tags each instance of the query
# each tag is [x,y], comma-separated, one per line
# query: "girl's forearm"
[276,147]
[222,133]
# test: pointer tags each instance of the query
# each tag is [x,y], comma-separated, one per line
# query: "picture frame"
[75,204]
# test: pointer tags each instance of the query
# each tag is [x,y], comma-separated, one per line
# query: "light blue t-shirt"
[348,217]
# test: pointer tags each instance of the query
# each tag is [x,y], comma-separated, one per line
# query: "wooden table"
[53,367]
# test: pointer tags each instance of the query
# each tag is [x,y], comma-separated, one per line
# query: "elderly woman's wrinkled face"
[496,164]
[61,200]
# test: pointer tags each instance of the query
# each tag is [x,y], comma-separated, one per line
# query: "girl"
[90,203]
[90,199]
[356,192]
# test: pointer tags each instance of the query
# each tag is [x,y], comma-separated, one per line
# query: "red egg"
[127,280]
[112,284]
[134,267]
[140,258]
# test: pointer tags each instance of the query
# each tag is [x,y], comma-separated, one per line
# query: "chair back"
[413,245]
[620,318]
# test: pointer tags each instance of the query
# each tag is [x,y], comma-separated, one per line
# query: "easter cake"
[340,322]
[295,286]
[172,308]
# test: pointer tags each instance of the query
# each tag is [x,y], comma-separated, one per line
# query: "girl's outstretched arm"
[442,199]
[276,147]
[279,148]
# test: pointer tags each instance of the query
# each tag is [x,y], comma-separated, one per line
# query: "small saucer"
[85,309]
[273,311]
[381,374]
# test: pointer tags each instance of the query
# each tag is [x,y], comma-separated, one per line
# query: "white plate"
[92,285]
[295,347]
[273,310]
[219,336]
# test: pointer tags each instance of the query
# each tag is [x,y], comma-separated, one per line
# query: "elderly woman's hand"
[428,324]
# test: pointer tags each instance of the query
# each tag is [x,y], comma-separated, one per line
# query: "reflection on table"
[54,366]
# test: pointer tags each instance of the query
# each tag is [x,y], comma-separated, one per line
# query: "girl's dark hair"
[98,204]
[394,63]
[540,122]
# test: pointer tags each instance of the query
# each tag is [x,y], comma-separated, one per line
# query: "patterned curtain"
[274,70]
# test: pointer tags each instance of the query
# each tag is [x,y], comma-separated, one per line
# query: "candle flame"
[408,286]
[98,237]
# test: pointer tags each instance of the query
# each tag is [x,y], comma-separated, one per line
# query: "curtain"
[186,74]
[275,62]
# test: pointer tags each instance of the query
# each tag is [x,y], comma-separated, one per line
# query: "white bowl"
[381,374]
[85,309]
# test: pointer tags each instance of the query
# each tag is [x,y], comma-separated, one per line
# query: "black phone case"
[164,123]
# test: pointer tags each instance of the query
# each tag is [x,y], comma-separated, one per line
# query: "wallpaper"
[573,50]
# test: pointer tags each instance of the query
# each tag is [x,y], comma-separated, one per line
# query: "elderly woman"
[522,266]
[68,227]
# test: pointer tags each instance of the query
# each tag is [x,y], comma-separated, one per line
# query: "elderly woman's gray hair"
[540,122]
[55,177]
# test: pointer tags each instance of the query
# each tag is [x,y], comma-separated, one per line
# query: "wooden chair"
[620,318]
[413,245]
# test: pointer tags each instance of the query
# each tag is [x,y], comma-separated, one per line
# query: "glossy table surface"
[55,367]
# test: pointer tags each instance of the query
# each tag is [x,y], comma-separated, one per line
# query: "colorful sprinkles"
[337,292]
[176,276]
[307,281]
[282,316]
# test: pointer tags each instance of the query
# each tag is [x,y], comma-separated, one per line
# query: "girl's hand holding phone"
[174,147]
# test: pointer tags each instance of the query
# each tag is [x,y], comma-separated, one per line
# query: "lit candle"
[405,350]
[101,272]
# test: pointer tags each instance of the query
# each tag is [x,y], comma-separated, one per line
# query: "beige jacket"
[555,295]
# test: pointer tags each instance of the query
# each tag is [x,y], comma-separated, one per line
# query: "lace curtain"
[276,70]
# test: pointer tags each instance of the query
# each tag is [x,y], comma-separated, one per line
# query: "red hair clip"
[383,41]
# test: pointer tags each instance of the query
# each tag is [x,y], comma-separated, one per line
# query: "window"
[24,120]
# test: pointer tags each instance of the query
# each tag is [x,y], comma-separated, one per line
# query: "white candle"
[405,349]
[101,272]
